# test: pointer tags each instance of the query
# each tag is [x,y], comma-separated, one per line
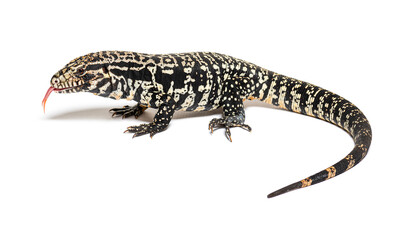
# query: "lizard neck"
[131,75]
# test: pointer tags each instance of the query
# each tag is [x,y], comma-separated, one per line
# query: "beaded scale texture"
[204,81]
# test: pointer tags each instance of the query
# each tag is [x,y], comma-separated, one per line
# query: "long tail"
[308,99]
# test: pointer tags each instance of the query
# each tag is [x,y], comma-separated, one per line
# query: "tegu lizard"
[204,81]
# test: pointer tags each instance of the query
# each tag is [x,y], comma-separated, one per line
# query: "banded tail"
[305,98]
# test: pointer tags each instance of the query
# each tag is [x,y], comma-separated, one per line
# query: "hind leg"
[233,111]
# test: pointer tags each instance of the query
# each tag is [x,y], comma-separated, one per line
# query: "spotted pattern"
[204,81]
[306,182]
[331,172]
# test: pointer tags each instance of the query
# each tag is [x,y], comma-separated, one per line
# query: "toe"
[228,134]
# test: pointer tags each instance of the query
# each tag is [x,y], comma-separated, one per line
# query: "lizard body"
[204,81]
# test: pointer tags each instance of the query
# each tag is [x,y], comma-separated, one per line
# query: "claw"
[228,134]
[246,127]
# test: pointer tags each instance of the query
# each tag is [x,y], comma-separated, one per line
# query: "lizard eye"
[80,71]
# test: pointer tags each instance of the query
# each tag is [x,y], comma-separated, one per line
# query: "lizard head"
[87,73]
[82,74]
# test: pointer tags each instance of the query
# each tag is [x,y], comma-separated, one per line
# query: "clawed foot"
[128,111]
[150,128]
[227,123]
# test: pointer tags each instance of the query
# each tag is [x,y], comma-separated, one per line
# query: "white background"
[72,174]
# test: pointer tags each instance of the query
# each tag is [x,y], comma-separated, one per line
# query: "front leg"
[161,120]
[127,111]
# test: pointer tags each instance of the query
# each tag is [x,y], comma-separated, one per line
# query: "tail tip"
[286,189]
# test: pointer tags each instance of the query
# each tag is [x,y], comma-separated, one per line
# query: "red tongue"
[51,89]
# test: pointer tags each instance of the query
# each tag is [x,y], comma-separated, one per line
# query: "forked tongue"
[49,91]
